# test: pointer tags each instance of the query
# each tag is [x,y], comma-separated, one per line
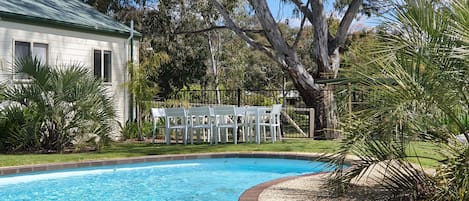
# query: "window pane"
[40,52]
[22,50]
[107,66]
[97,64]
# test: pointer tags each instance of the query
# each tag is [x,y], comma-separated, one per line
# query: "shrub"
[54,109]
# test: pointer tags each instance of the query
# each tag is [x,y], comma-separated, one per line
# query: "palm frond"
[416,90]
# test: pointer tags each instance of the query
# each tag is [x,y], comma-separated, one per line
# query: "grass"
[428,154]
[122,150]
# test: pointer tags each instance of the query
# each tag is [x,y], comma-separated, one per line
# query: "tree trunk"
[326,122]
[317,96]
[214,66]
[325,113]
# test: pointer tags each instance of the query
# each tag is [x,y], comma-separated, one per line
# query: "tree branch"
[344,25]
[272,31]
[304,9]
[231,25]
[218,27]
[298,35]
[321,37]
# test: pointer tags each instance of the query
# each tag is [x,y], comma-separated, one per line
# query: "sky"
[282,11]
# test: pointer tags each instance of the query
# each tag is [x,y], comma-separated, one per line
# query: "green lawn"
[122,150]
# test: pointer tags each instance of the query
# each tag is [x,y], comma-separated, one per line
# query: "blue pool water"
[201,179]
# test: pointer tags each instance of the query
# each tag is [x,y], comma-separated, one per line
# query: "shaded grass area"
[125,149]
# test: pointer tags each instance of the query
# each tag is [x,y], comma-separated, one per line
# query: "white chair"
[226,118]
[157,114]
[200,118]
[243,122]
[248,120]
[272,120]
[176,118]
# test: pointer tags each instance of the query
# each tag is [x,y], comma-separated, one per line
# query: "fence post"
[239,97]
[311,123]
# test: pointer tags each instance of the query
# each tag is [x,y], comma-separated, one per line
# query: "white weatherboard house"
[61,32]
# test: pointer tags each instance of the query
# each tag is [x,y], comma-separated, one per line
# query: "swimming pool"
[198,179]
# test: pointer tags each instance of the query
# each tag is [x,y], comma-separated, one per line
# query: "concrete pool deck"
[265,191]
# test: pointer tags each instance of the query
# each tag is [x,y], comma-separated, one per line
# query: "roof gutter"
[14,17]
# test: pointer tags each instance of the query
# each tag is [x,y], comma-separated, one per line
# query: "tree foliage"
[141,86]
[117,6]
[188,53]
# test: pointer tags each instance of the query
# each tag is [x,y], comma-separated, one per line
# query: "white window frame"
[102,51]
[31,52]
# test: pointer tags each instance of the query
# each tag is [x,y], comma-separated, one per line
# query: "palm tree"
[55,108]
[417,81]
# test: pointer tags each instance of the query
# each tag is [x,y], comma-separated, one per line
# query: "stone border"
[254,193]
[251,194]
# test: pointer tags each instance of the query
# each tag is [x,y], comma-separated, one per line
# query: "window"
[40,52]
[22,50]
[28,50]
[102,65]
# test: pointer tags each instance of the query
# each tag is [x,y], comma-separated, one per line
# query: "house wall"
[70,47]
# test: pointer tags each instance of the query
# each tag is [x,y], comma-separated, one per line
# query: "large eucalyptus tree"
[325,52]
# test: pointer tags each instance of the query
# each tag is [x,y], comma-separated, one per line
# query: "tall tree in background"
[325,52]
[159,22]
[188,53]
[113,7]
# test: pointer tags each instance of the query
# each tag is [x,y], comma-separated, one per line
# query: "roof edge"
[14,17]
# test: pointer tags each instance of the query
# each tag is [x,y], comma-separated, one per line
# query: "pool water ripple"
[221,179]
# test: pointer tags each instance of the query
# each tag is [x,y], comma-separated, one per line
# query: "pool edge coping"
[253,193]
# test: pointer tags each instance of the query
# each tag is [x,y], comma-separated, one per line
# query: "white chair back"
[241,111]
[200,118]
[276,109]
[199,111]
[157,112]
[251,110]
[224,110]
[176,118]
[225,117]
[175,112]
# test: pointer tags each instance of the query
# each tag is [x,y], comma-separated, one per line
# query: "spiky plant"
[54,108]
[417,79]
